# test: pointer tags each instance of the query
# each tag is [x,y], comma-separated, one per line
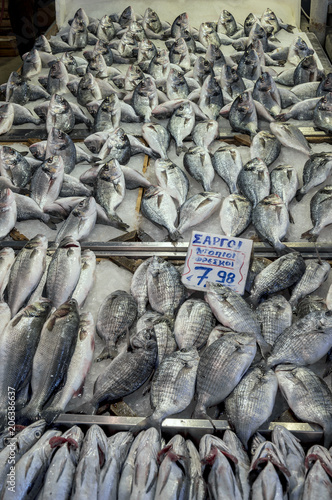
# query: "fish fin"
[299,195]
[51,413]
[309,236]
[86,408]
[109,352]
[146,423]
[175,235]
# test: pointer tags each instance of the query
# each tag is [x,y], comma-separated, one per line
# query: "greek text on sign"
[216,258]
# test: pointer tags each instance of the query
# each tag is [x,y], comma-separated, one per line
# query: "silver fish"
[127,474]
[315,274]
[290,136]
[158,206]
[60,144]
[197,162]
[145,98]
[15,167]
[243,115]
[179,54]
[26,272]
[78,34]
[249,65]
[57,79]
[315,171]
[254,181]
[47,180]
[227,163]
[197,209]
[320,212]
[32,64]
[274,315]
[310,304]
[88,90]
[176,85]
[317,483]
[108,116]
[235,214]
[157,137]
[205,133]
[139,286]
[8,212]
[80,222]
[308,396]
[173,179]
[266,92]
[284,183]
[270,218]
[163,331]
[193,324]
[211,98]
[173,476]
[181,124]
[28,209]
[6,118]
[87,277]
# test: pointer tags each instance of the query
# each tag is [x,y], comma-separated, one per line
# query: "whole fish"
[284,183]
[173,476]
[274,315]
[165,289]
[256,265]
[179,54]
[61,471]
[139,286]
[320,212]
[110,190]
[324,87]
[193,324]
[290,136]
[266,92]
[254,181]
[310,304]
[270,218]
[308,396]
[21,115]
[181,125]
[269,18]
[28,209]
[322,112]
[211,98]
[307,70]
[294,456]
[197,162]
[173,179]
[17,446]
[117,146]
[78,34]
[47,180]
[64,271]
[159,67]
[108,116]
[116,314]
[8,212]
[205,133]
[17,89]
[158,138]
[145,98]
[231,310]
[208,34]
[32,64]
[243,115]
[251,402]
[227,162]
[80,222]
[242,466]
[277,276]
[173,385]
[158,206]
[6,118]
[55,349]
[18,342]
[31,468]
[118,446]
[126,373]
[304,342]
[60,144]
[146,51]
[197,209]
[88,90]
[91,461]
[152,25]
[176,85]
[220,369]
[57,79]
[231,82]
[26,272]
[78,368]
[163,331]
[315,171]
[316,273]
[87,277]
[249,65]
[15,167]
[235,214]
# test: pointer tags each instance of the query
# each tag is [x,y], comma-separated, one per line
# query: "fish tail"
[200,413]
[146,423]
[309,235]
[328,433]
[86,409]
[299,195]
[51,413]
[174,235]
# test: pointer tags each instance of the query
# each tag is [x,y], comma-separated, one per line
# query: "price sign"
[216,258]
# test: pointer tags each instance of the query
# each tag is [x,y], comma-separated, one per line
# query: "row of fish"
[146,467]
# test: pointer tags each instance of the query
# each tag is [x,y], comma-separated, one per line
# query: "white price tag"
[216,258]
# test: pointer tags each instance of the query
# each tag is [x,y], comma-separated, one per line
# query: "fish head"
[249,22]
[325,103]
[42,44]
[58,104]
[213,53]
[129,38]
[109,103]
[152,20]
[7,199]
[144,339]
[106,22]
[39,241]
[33,57]
[53,166]
[327,83]
[41,307]
[161,57]
[180,24]
[137,30]
[57,70]
[81,15]
[185,110]
[180,46]
[287,443]
[226,17]
[147,86]
[85,208]
[88,82]
[127,16]
[110,171]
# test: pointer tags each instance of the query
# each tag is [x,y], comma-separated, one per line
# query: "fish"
[145,98]
[17,446]
[294,456]
[60,144]
[32,64]
[317,480]
[208,35]
[15,167]
[193,324]
[311,303]
[110,191]
[322,111]
[139,286]
[117,146]
[6,118]
[172,386]
[64,271]
[61,471]
[8,212]
[78,34]
[231,82]
[127,475]
[126,373]
[78,369]
[197,162]
[159,67]
[80,222]
[227,24]
[173,179]
[279,275]
[165,289]
[243,115]
[270,218]
[176,85]
[179,54]
[227,162]
[235,214]
[52,357]
[319,212]
[106,29]
[324,86]
[197,209]
[97,66]
[211,98]
[87,277]
[304,342]
[307,395]
[7,257]
[303,110]
[73,187]
[173,476]
[118,446]
[163,331]
[316,273]
[231,310]
[158,206]
[26,272]
[251,402]
[158,138]
[60,115]
[274,315]
[242,466]
[116,315]
[249,65]
[146,52]
[266,92]
[284,183]
[315,171]
[254,181]
[23,330]
[17,89]
[88,90]
[197,486]
[270,19]
[290,136]
[31,468]
[152,25]
[205,133]
[181,125]
[108,116]
[92,459]
[221,367]
[47,180]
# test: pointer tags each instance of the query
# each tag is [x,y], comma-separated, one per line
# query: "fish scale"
[194,322]
[275,315]
[315,274]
